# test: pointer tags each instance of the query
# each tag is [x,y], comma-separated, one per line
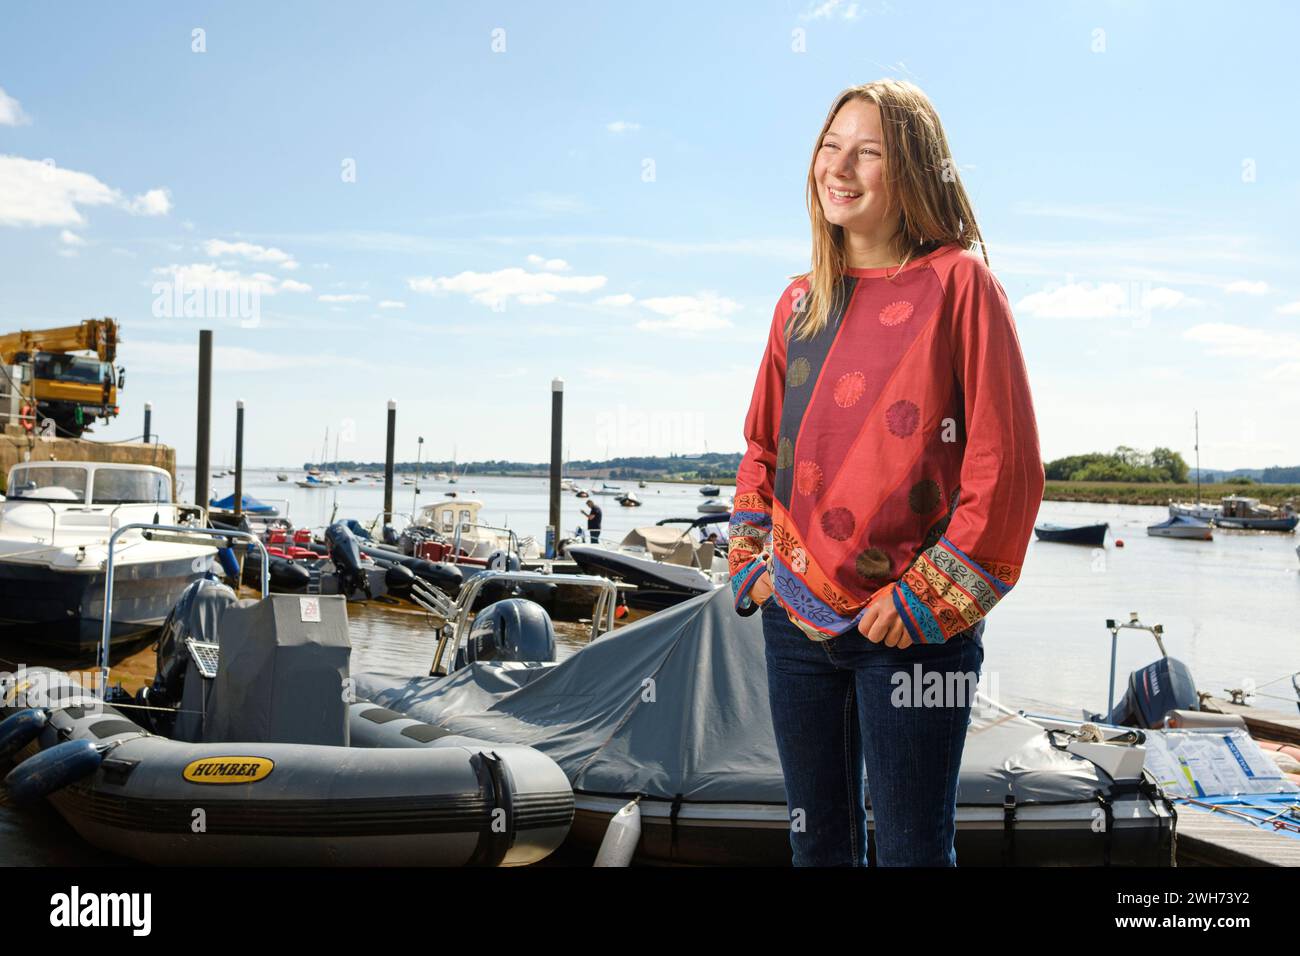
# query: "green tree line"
[1123,464]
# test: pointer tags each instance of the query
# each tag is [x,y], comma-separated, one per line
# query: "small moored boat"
[1179,526]
[1090,534]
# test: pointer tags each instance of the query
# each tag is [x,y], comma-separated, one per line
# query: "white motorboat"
[716,506]
[1180,526]
[605,488]
[666,566]
[54,529]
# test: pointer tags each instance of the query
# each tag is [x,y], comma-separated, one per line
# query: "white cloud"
[36,193]
[1246,287]
[549,265]
[206,275]
[1075,300]
[1291,308]
[156,202]
[11,111]
[1083,300]
[622,126]
[829,9]
[497,288]
[1226,339]
[247,250]
[689,315]
[343,297]
[617,301]
[391,304]
[71,238]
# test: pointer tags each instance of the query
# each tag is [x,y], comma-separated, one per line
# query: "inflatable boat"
[250,748]
[699,755]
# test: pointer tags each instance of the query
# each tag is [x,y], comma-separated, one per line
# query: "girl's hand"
[882,623]
[761,589]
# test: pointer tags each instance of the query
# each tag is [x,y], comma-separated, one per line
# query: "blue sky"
[450,204]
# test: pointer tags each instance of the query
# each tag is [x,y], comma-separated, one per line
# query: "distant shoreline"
[1098,492]
[1138,493]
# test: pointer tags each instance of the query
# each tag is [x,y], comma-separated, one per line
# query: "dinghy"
[672,711]
[1089,534]
[251,748]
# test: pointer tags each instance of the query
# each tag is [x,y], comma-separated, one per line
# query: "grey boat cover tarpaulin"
[676,704]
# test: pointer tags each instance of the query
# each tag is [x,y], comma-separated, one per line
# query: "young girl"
[889,488]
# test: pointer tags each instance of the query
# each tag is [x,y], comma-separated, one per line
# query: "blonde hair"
[920,179]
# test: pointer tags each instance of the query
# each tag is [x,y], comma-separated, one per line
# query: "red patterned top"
[894,453]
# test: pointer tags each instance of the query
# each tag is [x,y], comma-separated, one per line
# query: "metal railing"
[1155,630]
[175,534]
[457,614]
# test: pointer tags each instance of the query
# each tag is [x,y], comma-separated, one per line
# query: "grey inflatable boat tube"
[404,793]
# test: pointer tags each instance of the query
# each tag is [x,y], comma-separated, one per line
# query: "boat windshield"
[48,483]
[115,486]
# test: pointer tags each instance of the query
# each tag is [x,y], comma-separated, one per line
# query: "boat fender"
[621,837]
[20,729]
[285,574]
[228,563]
[398,578]
[52,770]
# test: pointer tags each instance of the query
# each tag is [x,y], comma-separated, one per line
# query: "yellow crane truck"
[53,391]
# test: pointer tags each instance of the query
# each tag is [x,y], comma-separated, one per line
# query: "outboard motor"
[510,630]
[196,614]
[1153,691]
[501,560]
[346,555]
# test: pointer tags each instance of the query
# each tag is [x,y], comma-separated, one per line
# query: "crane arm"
[96,335]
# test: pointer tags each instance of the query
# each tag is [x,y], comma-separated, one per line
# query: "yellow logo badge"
[228,769]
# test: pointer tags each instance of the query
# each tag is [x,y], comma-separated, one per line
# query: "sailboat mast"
[1196,446]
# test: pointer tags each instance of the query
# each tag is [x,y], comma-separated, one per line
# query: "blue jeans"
[844,704]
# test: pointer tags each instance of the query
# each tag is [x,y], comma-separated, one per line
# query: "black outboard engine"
[502,560]
[196,614]
[346,555]
[510,630]
[1153,691]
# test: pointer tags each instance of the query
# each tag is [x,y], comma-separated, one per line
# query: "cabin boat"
[1239,511]
[463,536]
[665,566]
[54,530]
